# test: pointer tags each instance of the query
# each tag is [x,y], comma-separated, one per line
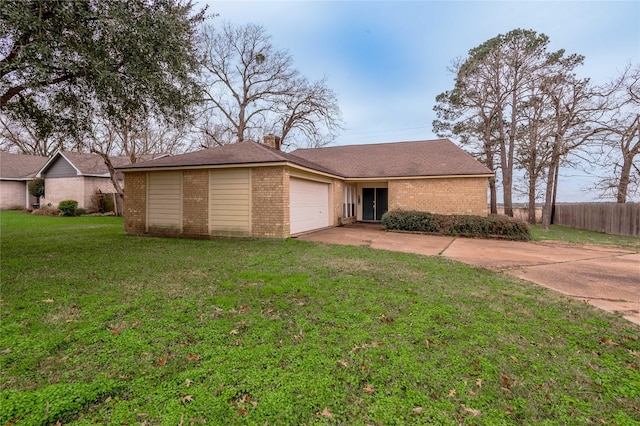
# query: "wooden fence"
[610,218]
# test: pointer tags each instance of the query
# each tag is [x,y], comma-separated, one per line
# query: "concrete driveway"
[606,277]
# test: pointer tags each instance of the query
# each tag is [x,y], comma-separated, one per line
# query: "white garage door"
[309,205]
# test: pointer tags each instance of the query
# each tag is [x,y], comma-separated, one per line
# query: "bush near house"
[68,207]
[462,225]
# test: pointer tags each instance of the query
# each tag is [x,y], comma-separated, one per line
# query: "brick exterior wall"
[59,189]
[270,210]
[337,203]
[135,202]
[13,195]
[91,187]
[270,202]
[79,188]
[195,202]
[442,195]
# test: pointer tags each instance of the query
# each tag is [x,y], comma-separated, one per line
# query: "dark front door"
[374,203]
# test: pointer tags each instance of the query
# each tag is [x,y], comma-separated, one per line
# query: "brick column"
[135,202]
[195,202]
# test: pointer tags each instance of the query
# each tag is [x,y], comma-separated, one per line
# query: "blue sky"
[387,60]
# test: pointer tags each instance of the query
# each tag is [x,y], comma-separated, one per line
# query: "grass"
[581,236]
[100,327]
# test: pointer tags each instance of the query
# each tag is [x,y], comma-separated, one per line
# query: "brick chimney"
[272,141]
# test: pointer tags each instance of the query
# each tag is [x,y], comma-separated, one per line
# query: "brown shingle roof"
[400,159]
[246,152]
[20,166]
[439,157]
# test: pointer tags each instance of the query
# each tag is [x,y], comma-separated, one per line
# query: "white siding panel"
[309,205]
[230,202]
[165,200]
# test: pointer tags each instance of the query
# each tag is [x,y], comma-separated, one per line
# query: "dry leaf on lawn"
[327,413]
[506,382]
[472,411]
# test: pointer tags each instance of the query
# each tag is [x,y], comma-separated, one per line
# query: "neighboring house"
[77,176]
[16,170]
[253,190]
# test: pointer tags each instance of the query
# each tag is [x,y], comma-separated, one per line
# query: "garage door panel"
[165,201]
[229,202]
[309,205]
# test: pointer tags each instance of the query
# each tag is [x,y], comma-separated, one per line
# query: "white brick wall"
[13,194]
[78,188]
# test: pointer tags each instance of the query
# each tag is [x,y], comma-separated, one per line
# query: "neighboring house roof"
[84,164]
[399,159]
[240,153]
[439,157]
[20,166]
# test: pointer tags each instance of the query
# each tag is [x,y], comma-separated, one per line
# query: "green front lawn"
[100,327]
[582,236]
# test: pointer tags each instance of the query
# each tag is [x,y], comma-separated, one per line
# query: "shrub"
[68,207]
[463,225]
[36,187]
[410,221]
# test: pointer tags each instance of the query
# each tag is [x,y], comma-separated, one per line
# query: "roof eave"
[126,169]
[414,177]
[17,179]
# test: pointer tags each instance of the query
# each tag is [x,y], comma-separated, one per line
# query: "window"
[348,201]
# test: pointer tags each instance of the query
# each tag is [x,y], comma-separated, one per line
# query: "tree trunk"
[531,218]
[548,196]
[488,152]
[556,172]
[114,179]
[507,185]
[623,182]
[507,172]
[493,195]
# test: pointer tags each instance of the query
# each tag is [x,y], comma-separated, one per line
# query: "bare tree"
[18,136]
[534,150]
[575,107]
[621,137]
[251,88]
[135,141]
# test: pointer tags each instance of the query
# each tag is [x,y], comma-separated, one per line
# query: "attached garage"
[164,201]
[248,189]
[309,205]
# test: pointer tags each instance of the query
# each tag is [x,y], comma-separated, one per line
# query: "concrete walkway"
[606,277]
